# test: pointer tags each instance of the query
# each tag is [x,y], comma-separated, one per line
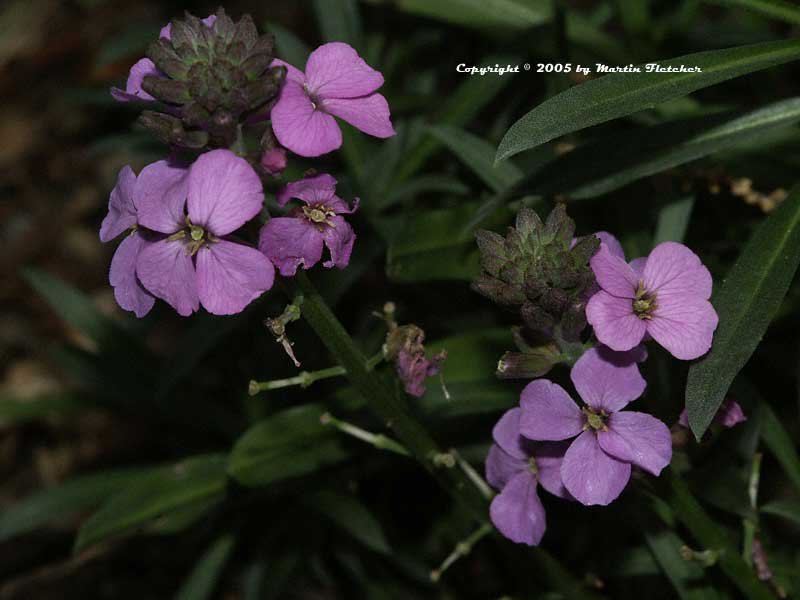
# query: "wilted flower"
[194,264]
[336,83]
[298,239]
[515,466]
[664,295]
[728,415]
[597,465]
[155,181]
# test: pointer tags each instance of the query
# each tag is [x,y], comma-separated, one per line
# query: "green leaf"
[482,14]
[614,161]
[788,509]
[620,94]
[478,155]
[461,105]
[18,410]
[684,575]
[746,302]
[775,9]
[200,583]
[73,496]
[167,489]
[339,21]
[352,516]
[673,220]
[779,442]
[288,444]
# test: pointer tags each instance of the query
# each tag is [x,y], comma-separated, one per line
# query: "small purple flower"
[154,181]
[143,67]
[728,415]
[337,83]
[194,264]
[413,368]
[515,466]
[298,239]
[664,295]
[597,465]
[274,161]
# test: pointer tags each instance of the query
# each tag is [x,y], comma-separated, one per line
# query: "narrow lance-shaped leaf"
[775,9]
[200,583]
[746,302]
[673,221]
[620,94]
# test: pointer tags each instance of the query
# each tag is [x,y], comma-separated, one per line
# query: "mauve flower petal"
[133,88]
[121,208]
[340,207]
[166,30]
[517,511]
[506,434]
[501,467]
[548,413]
[549,457]
[638,264]
[290,242]
[612,243]
[230,276]
[730,414]
[614,322]
[607,380]
[335,70]
[613,274]
[166,271]
[300,127]
[339,238]
[128,291]
[161,192]
[684,325]
[369,114]
[311,190]
[637,438]
[224,192]
[293,74]
[591,475]
[674,270]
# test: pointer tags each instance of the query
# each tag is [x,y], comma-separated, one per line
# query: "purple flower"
[413,368]
[337,83]
[274,161]
[154,181]
[193,264]
[664,295]
[143,67]
[298,238]
[514,466]
[597,465]
[728,415]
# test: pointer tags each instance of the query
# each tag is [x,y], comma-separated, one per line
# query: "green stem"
[378,440]
[306,378]
[463,548]
[391,407]
[715,538]
[749,523]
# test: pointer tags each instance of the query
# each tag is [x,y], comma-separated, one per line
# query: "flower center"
[532,466]
[645,303]
[311,96]
[319,215]
[198,237]
[594,419]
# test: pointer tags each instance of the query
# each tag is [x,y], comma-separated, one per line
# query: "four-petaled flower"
[298,239]
[154,181]
[515,466]
[193,263]
[337,83]
[664,295]
[597,465]
[144,67]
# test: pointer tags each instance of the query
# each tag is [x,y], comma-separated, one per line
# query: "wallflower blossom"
[193,263]
[143,67]
[515,466]
[336,83]
[728,415]
[298,239]
[154,181]
[664,295]
[597,464]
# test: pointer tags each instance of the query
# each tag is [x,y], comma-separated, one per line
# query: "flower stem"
[306,378]
[378,440]
[462,548]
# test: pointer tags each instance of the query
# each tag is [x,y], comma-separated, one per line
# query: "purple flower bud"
[274,161]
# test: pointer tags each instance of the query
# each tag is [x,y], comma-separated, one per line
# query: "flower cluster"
[206,83]
[585,452]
